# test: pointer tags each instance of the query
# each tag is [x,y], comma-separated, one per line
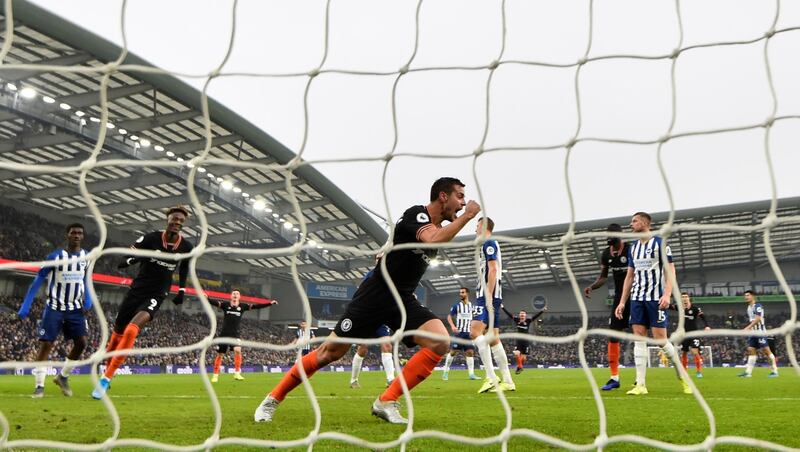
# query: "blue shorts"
[482,315]
[647,313]
[757,342]
[465,347]
[383,331]
[72,323]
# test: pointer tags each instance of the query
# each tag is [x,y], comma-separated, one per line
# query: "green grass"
[176,409]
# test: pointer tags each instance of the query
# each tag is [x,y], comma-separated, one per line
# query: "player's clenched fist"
[472,209]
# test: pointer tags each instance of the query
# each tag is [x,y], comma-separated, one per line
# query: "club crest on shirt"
[422,217]
[346,324]
[623,259]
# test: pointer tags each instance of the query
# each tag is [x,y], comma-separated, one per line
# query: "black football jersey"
[406,266]
[232,316]
[155,275]
[617,266]
[691,316]
[523,326]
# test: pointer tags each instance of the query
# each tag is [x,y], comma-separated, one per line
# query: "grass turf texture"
[176,409]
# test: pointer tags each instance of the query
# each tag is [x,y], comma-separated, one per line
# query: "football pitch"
[176,409]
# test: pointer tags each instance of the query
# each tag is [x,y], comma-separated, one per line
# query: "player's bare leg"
[358,362]
[321,356]
[418,368]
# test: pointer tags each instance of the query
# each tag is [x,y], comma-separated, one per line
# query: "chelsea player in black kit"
[232,313]
[523,324]
[691,313]
[373,303]
[614,258]
[148,289]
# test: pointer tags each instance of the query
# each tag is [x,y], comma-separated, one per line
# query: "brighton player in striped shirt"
[67,300]
[648,286]
[489,287]
[755,313]
[462,312]
[300,335]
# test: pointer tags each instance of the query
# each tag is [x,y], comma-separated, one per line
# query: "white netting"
[601,439]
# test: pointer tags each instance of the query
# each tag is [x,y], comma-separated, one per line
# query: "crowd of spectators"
[173,328]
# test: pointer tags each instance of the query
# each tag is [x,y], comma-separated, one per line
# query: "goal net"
[573,133]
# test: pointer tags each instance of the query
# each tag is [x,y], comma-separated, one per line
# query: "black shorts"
[133,304]
[771,343]
[223,348]
[691,343]
[620,324]
[523,347]
[373,306]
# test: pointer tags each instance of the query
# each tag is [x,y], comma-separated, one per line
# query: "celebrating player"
[523,324]
[67,300]
[614,258]
[148,289]
[691,313]
[462,310]
[489,285]
[755,313]
[231,322]
[649,286]
[374,305]
[386,359]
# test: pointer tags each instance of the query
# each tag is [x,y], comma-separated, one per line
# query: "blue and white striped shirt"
[66,282]
[648,278]
[756,310]
[490,251]
[462,312]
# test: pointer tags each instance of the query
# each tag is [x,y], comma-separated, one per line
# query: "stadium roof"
[52,118]
[166,112]
[693,250]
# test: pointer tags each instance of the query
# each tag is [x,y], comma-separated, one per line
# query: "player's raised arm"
[253,306]
[539,314]
[510,315]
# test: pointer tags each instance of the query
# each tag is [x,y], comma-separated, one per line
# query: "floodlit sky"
[442,113]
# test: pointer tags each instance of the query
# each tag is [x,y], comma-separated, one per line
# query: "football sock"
[685,360]
[39,375]
[217,364]
[751,362]
[237,362]
[358,361]
[388,365]
[500,357]
[698,363]
[669,352]
[486,356]
[418,368]
[471,365]
[292,378]
[613,358]
[113,343]
[125,343]
[67,369]
[447,361]
[519,361]
[640,359]
[773,362]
